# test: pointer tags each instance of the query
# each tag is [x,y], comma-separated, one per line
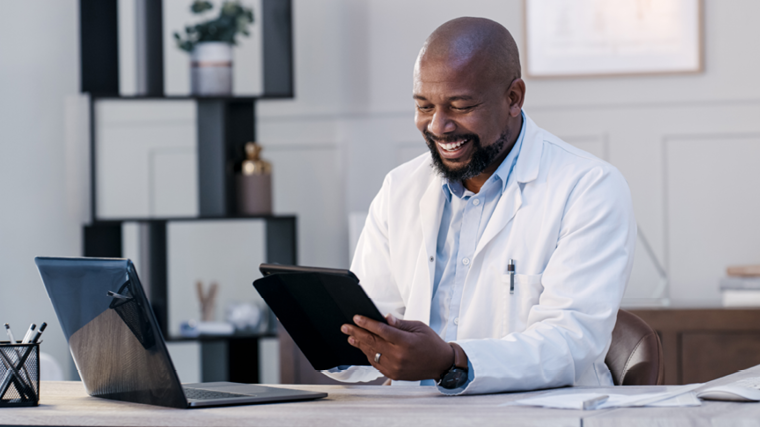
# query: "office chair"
[635,355]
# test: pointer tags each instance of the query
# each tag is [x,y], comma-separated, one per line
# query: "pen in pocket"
[511,271]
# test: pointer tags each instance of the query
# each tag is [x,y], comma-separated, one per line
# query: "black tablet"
[312,303]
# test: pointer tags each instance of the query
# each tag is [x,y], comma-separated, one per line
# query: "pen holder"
[19,374]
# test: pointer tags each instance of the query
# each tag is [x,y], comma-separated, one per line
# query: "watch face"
[455,378]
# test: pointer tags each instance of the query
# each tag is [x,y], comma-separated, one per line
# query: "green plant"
[233,18]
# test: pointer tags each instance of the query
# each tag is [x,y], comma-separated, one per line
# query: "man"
[440,243]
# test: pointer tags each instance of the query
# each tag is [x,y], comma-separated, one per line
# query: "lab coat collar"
[526,170]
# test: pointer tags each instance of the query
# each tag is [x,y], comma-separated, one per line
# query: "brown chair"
[635,355]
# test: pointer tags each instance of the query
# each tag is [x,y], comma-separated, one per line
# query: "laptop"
[117,346]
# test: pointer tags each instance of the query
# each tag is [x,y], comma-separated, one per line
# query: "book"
[741,297]
[743,271]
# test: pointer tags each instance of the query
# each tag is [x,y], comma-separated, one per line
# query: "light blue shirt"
[465,216]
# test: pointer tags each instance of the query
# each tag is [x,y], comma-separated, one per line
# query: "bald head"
[462,41]
[468,98]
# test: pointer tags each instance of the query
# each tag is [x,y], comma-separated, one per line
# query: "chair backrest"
[635,355]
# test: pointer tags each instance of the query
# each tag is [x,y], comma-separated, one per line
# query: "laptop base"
[245,394]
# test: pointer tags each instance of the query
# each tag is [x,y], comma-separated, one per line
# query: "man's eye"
[465,108]
[424,108]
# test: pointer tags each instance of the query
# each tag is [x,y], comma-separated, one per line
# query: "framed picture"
[612,37]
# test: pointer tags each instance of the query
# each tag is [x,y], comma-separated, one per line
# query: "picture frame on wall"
[567,38]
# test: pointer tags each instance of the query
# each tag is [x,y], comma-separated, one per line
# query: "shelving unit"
[224,125]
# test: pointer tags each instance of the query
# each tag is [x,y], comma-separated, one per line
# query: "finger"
[370,352]
[383,370]
[366,341]
[371,344]
[386,332]
[404,325]
[358,333]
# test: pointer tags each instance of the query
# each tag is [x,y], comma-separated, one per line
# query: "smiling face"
[467,104]
[463,116]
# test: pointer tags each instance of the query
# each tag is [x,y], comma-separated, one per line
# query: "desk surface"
[66,403]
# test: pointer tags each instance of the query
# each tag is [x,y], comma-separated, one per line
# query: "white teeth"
[451,146]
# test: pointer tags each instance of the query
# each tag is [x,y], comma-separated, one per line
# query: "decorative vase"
[254,183]
[211,69]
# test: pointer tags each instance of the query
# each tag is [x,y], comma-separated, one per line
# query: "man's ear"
[516,95]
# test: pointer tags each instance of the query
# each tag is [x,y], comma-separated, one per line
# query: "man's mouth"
[452,147]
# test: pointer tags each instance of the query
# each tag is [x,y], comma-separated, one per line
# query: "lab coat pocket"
[527,290]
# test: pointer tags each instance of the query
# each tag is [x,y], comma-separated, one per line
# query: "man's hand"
[410,350]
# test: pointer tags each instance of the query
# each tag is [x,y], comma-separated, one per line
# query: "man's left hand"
[410,350]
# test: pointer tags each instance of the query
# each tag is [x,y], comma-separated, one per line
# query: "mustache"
[432,139]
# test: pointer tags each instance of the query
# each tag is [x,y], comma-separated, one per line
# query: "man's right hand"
[409,350]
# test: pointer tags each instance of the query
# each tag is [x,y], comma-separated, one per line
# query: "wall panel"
[712,208]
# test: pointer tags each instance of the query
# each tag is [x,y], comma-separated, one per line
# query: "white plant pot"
[211,69]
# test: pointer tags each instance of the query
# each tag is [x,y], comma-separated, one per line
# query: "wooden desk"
[700,345]
[66,403]
[712,414]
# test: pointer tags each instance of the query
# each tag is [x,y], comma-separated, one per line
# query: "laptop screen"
[112,333]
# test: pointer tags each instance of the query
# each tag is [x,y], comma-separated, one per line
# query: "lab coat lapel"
[526,170]
[431,210]
[505,210]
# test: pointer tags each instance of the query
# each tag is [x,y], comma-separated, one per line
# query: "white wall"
[41,204]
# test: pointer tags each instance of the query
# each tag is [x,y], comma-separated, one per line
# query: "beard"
[481,158]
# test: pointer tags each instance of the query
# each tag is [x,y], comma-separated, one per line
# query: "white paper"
[573,398]
[744,389]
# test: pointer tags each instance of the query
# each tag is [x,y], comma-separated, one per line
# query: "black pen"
[511,271]
[39,332]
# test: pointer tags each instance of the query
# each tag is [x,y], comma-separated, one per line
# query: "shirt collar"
[502,173]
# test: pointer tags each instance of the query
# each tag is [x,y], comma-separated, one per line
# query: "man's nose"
[441,124]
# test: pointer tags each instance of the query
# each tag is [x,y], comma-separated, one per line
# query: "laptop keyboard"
[200,394]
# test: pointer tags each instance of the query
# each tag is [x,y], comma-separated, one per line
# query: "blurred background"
[107,149]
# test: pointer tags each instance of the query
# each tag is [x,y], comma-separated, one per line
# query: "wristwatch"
[456,376]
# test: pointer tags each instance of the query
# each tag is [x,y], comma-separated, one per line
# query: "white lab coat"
[565,218]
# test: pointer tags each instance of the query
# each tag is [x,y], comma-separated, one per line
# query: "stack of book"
[741,286]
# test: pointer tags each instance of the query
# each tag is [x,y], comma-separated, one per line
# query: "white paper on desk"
[686,399]
[573,398]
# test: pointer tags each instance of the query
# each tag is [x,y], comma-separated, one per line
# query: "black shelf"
[224,125]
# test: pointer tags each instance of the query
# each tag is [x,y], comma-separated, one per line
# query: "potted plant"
[210,46]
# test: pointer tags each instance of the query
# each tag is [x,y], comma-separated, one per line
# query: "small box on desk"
[19,374]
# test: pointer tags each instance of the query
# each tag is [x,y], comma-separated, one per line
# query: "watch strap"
[460,357]
[457,374]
